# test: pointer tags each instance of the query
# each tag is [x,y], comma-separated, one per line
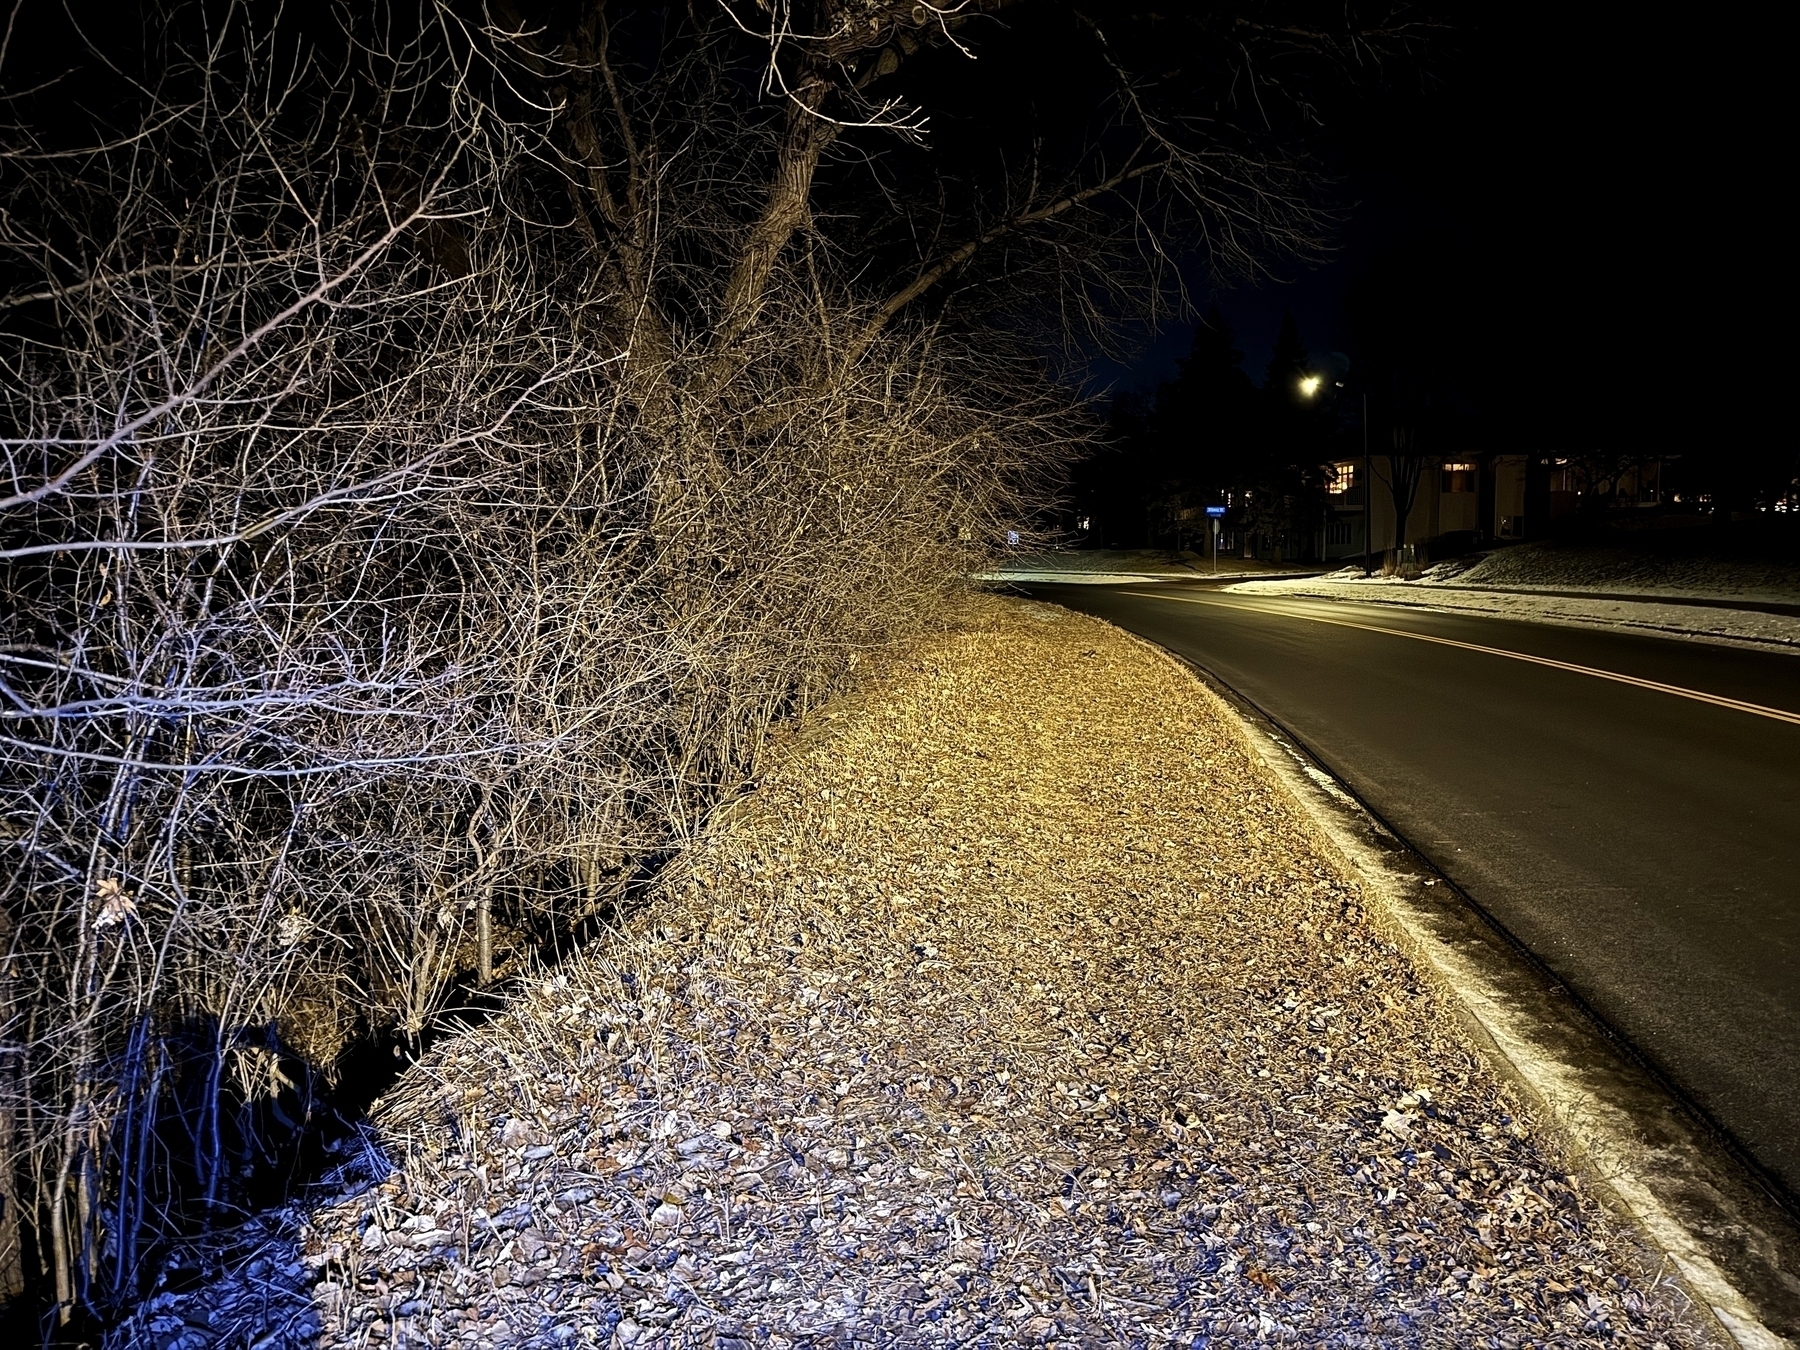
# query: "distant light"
[1310,386]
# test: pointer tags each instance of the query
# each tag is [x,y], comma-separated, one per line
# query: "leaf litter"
[1016,1005]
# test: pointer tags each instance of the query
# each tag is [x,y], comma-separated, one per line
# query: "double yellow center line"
[1699,696]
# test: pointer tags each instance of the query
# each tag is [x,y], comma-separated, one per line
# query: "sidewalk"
[1020,1004]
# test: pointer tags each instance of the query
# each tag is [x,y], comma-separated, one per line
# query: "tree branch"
[961,254]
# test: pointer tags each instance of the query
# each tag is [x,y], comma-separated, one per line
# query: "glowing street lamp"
[1310,386]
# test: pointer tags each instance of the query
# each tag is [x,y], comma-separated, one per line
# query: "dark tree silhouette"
[1282,479]
[1289,363]
[1206,415]
[1203,428]
[1411,367]
[1212,437]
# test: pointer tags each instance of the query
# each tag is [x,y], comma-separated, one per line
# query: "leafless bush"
[383,575]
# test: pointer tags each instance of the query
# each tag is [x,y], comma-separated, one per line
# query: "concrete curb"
[1735,1247]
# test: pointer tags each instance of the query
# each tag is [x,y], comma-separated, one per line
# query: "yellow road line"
[1699,696]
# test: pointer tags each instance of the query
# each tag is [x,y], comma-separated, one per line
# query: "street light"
[1309,386]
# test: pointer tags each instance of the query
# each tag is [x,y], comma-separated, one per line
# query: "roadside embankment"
[1675,614]
[1649,564]
[1019,1003]
[1663,584]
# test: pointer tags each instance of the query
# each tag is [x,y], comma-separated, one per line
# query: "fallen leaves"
[1262,1279]
[1131,1047]
[117,905]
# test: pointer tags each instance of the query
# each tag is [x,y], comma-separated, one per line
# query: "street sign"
[1215,510]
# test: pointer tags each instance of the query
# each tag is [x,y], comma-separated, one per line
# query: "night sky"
[1587,194]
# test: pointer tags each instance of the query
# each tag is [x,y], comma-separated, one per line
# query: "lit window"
[1458,478]
[1342,479]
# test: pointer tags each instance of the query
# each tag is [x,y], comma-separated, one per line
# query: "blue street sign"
[1215,510]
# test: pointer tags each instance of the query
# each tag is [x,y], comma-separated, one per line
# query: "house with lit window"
[1475,500]
[1457,505]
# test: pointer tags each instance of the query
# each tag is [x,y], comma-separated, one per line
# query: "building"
[1479,500]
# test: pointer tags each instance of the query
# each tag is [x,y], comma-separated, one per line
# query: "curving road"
[1627,806]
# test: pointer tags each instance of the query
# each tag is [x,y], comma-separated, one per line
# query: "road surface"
[1627,806]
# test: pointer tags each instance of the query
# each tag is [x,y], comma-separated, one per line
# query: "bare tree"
[432,457]
[1404,471]
[374,601]
[1089,212]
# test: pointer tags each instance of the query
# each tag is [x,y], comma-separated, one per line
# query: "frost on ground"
[1100,566]
[1451,589]
[1017,1005]
[1555,565]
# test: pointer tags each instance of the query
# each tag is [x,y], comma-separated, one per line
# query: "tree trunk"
[1405,468]
[12,1237]
[787,209]
[484,937]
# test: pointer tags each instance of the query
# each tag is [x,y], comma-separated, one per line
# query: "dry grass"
[1016,1003]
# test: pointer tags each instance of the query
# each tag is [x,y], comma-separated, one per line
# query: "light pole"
[1368,480]
[1309,385]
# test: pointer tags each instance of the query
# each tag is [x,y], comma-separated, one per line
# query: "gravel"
[1017,1005]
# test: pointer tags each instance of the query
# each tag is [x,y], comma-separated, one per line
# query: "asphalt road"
[1644,844]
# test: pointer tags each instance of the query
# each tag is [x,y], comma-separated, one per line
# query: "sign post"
[1213,514]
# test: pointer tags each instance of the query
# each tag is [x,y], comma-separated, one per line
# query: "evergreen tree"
[1211,437]
[1202,428]
[1296,433]
[1212,377]
[1289,364]
[1111,484]
[1204,415]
